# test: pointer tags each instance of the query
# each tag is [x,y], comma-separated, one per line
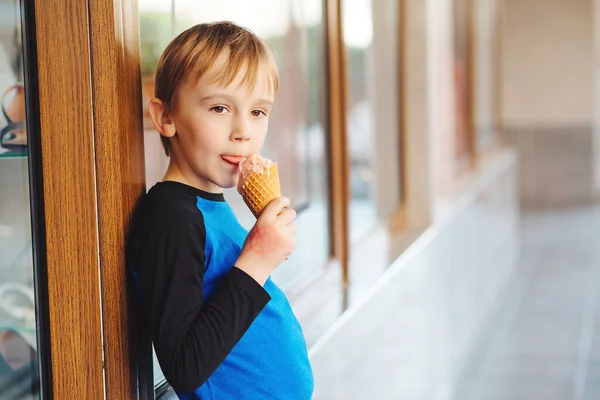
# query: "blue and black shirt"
[218,334]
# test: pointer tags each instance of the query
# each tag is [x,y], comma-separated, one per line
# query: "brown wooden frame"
[92,166]
[498,78]
[470,83]
[67,142]
[116,83]
[402,117]
[337,101]
[468,160]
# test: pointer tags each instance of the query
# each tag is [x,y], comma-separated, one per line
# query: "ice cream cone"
[260,187]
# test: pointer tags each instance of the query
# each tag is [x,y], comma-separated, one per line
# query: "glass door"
[19,358]
[297,137]
[298,130]
[462,85]
[357,22]
[486,72]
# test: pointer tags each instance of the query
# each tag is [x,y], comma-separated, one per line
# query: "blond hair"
[193,52]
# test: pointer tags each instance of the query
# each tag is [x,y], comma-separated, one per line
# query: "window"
[486,71]
[297,129]
[462,85]
[19,377]
[358,39]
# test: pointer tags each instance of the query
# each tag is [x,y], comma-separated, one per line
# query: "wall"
[548,96]
[442,96]
[385,107]
[433,306]
[428,107]
[547,63]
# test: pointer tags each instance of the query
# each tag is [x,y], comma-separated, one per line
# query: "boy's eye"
[258,113]
[219,109]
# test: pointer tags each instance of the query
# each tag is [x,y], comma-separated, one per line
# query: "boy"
[221,328]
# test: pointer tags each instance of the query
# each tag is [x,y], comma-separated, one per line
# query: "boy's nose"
[241,131]
[240,137]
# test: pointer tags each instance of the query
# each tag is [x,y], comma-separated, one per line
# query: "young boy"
[220,326]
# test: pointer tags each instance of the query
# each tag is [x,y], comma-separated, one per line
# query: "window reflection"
[461,84]
[296,137]
[358,37]
[486,19]
[19,376]
[297,127]
[155,33]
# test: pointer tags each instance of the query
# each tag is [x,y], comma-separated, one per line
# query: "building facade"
[392,123]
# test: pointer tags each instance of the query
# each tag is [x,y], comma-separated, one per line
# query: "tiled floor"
[543,343]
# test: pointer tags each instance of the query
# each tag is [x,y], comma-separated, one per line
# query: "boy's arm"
[192,338]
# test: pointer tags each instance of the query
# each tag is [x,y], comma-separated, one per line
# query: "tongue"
[233,159]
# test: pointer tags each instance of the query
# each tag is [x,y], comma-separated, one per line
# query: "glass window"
[297,129]
[486,43]
[19,376]
[156,31]
[461,84]
[358,39]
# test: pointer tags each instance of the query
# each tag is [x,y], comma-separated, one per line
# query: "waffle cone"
[260,188]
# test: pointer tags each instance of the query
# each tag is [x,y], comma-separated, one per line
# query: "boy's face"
[217,127]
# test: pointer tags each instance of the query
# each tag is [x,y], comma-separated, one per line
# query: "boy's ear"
[160,118]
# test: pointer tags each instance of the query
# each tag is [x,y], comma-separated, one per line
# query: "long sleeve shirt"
[218,334]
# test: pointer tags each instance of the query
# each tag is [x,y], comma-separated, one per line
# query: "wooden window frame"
[337,103]
[88,84]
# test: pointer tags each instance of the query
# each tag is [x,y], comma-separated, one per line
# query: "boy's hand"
[270,241]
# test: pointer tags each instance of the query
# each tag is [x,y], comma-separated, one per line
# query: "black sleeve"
[191,338]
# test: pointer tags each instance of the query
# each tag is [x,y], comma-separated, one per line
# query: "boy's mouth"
[234,160]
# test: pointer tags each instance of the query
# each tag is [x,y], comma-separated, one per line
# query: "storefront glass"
[486,71]
[462,88]
[358,39]
[19,377]
[297,128]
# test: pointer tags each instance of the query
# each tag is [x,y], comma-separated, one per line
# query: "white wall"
[386,107]
[418,139]
[548,97]
[441,94]
[429,108]
[547,63]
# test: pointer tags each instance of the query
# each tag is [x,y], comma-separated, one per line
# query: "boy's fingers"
[286,216]
[274,207]
[291,228]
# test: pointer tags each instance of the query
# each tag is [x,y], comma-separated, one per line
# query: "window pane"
[296,137]
[156,32]
[358,39]
[297,127]
[19,376]
[461,83]
[486,73]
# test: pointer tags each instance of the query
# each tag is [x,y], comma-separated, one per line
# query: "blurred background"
[443,155]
